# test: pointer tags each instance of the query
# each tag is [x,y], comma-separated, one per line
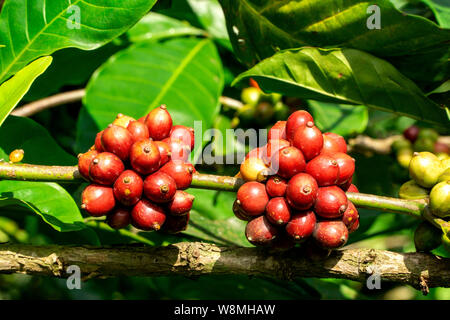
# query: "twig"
[196,259]
[231,103]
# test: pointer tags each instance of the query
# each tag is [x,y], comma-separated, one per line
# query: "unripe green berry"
[440,199]
[425,168]
[411,190]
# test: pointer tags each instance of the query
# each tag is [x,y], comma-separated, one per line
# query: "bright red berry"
[301,225]
[105,168]
[175,224]
[138,131]
[288,162]
[184,134]
[350,216]
[128,188]
[253,198]
[301,191]
[97,200]
[278,131]
[277,211]
[352,188]
[273,147]
[117,140]
[181,203]
[308,139]
[178,150]
[276,186]
[164,152]
[354,226]
[145,157]
[324,169]
[333,143]
[260,232]
[119,218]
[346,167]
[181,172]
[159,187]
[330,234]
[147,216]
[331,202]
[84,161]
[159,123]
[98,142]
[239,212]
[295,120]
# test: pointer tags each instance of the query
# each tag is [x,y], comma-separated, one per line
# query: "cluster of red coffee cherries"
[138,170]
[296,186]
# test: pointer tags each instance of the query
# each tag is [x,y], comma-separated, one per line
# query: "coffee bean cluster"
[138,170]
[295,187]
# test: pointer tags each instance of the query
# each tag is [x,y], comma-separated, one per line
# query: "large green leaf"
[39,146]
[441,10]
[185,74]
[12,91]
[345,76]
[259,28]
[49,200]
[31,29]
[341,119]
[155,26]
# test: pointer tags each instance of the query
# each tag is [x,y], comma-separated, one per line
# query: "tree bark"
[420,270]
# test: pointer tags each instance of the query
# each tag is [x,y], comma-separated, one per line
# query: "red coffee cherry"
[117,140]
[295,120]
[324,169]
[119,218]
[331,202]
[308,139]
[97,200]
[252,198]
[181,172]
[84,161]
[333,143]
[272,148]
[159,123]
[105,168]
[159,187]
[145,157]
[178,150]
[98,142]
[330,234]
[138,131]
[440,147]
[346,167]
[181,203]
[142,119]
[128,188]
[164,152]
[352,188]
[239,212]
[301,225]
[301,191]
[350,216]
[175,224]
[289,161]
[278,131]
[184,134]
[411,133]
[148,216]
[260,232]
[354,226]
[276,186]
[278,211]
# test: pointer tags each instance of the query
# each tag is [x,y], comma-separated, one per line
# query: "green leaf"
[184,74]
[155,26]
[12,91]
[48,200]
[344,120]
[344,76]
[33,29]
[259,28]
[441,10]
[39,146]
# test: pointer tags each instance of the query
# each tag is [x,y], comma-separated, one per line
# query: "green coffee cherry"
[425,168]
[440,199]
[445,176]
[250,96]
[411,190]
[442,156]
[428,133]
[282,111]
[427,237]
[404,157]
[445,163]
[275,97]
[424,144]
[400,144]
